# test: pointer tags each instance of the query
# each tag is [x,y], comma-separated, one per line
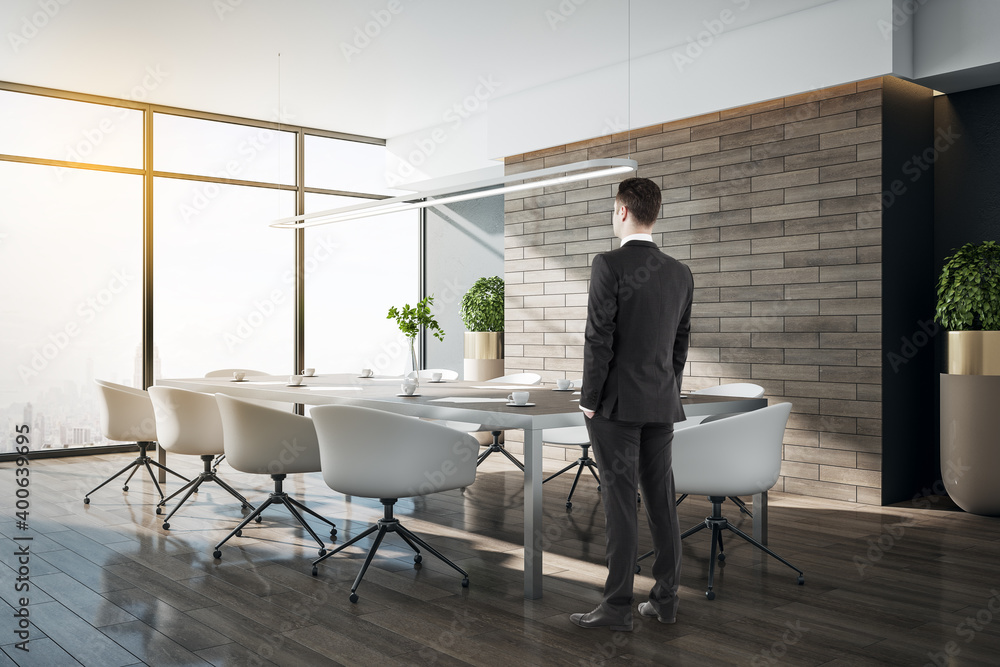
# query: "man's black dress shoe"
[602,619]
[646,609]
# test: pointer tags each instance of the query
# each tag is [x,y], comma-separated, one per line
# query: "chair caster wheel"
[333,534]
[239,533]
[217,554]
[569,505]
[125,488]
[417,558]
[465,582]
[802,579]
[354,597]
[257,519]
[322,552]
[315,571]
[598,487]
[722,558]
[86,501]
[710,595]
[159,509]
[166,526]
[245,507]
[638,569]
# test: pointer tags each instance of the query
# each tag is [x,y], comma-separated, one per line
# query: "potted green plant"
[410,319]
[482,312]
[969,307]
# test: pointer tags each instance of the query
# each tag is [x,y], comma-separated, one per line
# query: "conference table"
[468,401]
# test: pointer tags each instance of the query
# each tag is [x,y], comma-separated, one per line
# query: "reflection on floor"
[904,585]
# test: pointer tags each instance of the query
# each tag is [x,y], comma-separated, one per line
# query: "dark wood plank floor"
[911,585]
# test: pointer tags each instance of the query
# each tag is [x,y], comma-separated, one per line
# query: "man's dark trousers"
[622,450]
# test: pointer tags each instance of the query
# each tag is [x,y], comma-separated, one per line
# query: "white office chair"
[188,423]
[526,379]
[228,373]
[446,373]
[737,456]
[572,436]
[127,414]
[265,441]
[740,389]
[375,454]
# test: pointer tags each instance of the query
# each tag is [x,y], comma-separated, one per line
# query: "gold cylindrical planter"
[970,421]
[483,355]
[974,352]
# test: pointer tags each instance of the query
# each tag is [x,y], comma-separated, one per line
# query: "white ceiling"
[223,55]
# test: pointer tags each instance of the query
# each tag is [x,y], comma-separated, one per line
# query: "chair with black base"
[572,436]
[495,445]
[373,454]
[266,441]
[127,414]
[188,423]
[736,456]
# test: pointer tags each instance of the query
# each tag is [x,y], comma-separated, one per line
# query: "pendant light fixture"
[530,180]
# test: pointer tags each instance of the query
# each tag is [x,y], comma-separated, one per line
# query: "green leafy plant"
[482,305]
[410,319]
[969,289]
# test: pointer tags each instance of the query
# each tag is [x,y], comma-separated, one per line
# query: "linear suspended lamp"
[489,187]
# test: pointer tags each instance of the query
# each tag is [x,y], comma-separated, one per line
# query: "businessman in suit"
[638,324]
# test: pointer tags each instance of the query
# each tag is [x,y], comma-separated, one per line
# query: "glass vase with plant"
[410,319]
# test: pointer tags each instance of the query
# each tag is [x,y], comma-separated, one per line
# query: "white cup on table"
[564,384]
[436,377]
[408,387]
[518,397]
[366,372]
[295,379]
[239,375]
[308,372]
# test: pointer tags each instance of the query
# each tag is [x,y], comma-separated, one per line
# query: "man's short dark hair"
[642,197]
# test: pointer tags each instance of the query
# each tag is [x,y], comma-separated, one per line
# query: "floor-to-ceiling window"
[73,213]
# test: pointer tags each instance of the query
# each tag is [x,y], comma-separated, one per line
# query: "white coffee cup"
[294,379]
[408,387]
[436,377]
[564,384]
[309,372]
[239,375]
[366,372]
[518,397]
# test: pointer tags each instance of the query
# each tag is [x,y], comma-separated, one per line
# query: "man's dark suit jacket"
[638,325]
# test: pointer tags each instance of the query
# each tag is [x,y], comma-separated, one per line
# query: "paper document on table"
[467,399]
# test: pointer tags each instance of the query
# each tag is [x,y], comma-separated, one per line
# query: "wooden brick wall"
[776,209]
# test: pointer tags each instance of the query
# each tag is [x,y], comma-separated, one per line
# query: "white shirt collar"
[637,237]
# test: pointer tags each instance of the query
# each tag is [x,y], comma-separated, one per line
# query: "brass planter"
[970,421]
[483,355]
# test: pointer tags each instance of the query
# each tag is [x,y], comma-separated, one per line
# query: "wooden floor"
[909,585]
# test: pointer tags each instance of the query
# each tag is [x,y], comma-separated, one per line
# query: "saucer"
[520,405]
[407,395]
[437,381]
[296,385]
[366,377]
[243,380]
[558,389]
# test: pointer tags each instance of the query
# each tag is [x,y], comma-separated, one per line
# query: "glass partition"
[355,271]
[71,267]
